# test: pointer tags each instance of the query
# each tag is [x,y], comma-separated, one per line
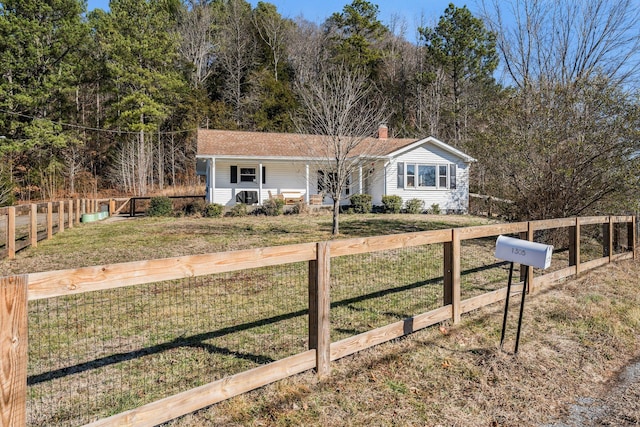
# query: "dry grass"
[577,337]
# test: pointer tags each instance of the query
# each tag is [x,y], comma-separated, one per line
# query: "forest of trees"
[542,92]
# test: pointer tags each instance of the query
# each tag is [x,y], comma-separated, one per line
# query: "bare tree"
[237,58]
[563,141]
[564,41]
[397,74]
[197,44]
[339,105]
[273,30]
[307,49]
[73,160]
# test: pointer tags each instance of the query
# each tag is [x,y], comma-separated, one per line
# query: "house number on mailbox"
[518,251]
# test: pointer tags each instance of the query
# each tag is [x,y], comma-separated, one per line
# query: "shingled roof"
[224,143]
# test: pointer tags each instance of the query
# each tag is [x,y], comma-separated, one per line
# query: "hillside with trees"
[544,94]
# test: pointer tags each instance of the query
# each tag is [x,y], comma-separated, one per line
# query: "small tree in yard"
[338,103]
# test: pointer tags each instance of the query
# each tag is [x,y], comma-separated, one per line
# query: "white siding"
[447,199]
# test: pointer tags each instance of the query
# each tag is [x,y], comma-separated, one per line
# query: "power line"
[111,131]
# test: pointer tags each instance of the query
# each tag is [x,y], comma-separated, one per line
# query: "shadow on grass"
[351,225]
[198,339]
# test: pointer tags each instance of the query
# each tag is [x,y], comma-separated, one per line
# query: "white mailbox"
[524,252]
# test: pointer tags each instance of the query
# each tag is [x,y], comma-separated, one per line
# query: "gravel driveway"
[618,406]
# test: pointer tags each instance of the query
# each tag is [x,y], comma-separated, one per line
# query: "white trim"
[306,194]
[260,178]
[258,158]
[416,177]
[211,179]
[437,143]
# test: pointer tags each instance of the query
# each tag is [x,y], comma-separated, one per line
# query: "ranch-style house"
[251,167]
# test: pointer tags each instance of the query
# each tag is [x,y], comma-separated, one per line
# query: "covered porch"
[240,180]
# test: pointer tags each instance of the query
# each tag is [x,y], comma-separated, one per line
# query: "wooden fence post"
[574,246]
[607,239]
[631,236]
[455,276]
[13,361]
[84,206]
[319,307]
[60,216]
[524,235]
[77,211]
[112,207]
[313,304]
[530,237]
[71,210]
[33,229]
[11,232]
[49,220]
[448,271]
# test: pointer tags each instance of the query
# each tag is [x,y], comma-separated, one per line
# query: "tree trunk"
[336,213]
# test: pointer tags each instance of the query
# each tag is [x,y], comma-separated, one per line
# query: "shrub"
[213,210]
[414,206]
[196,207]
[392,204]
[160,206]
[273,207]
[361,203]
[300,208]
[435,209]
[239,209]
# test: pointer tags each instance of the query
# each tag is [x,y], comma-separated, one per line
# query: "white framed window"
[426,176]
[247,174]
[410,181]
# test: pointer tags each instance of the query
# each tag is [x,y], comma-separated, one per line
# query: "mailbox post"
[529,254]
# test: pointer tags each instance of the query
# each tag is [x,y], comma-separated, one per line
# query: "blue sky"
[319,10]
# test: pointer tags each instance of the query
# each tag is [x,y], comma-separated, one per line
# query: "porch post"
[211,178]
[384,181]
[360,179]
[306,195]
[260,184]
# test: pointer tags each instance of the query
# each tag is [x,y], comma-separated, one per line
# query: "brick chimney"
[383,131]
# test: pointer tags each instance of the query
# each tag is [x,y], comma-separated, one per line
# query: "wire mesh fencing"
[560,239]
[374,289]
[96,354]
[622,238]
[480,270]
[591,242]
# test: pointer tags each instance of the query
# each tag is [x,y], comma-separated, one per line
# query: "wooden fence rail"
[21,222]
[17,291]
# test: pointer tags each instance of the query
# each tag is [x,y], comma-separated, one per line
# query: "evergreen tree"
[40,49]
[356,34]
[463,50]
[140,54]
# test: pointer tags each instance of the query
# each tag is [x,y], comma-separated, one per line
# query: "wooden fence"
[618,234]
[26,225]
